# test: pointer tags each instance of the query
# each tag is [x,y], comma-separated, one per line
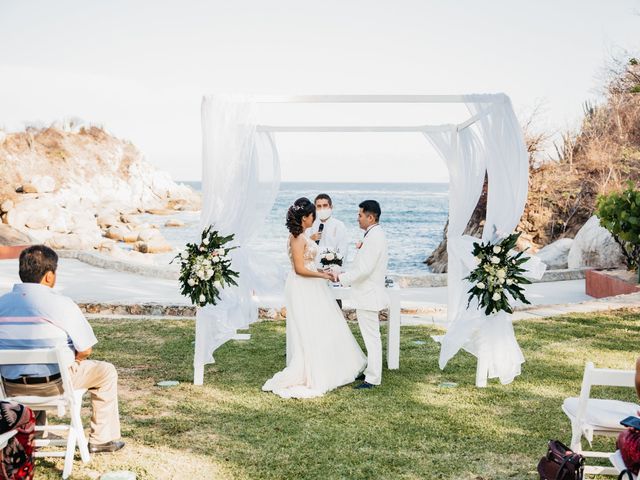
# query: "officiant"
[328,232]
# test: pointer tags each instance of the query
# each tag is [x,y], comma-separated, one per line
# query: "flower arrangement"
[498,274]
[329,257]
[205,268]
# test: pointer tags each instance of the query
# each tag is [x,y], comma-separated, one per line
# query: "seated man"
[34,316]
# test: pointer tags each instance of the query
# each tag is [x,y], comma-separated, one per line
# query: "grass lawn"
[409,428]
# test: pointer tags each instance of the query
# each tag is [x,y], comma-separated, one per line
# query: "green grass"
[409,428]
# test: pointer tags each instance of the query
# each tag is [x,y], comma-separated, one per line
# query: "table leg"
[393,337]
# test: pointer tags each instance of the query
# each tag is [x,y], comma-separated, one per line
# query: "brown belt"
[33,380]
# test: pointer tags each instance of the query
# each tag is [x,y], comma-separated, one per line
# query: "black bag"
[625,474]
[561,463]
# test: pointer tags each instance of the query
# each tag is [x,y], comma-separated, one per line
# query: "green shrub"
[619,212]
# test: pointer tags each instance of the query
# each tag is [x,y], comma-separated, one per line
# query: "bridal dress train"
[322,353]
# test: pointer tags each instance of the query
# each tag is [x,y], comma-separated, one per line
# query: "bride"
[322,353]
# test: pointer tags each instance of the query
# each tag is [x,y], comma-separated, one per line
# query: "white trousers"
[370,328]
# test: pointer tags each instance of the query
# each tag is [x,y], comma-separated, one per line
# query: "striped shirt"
[34,316]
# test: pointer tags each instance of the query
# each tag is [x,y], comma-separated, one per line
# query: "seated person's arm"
[83,355]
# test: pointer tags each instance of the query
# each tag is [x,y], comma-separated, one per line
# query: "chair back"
[605,377]
[60,355]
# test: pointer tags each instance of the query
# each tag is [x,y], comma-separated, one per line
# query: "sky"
[140,69]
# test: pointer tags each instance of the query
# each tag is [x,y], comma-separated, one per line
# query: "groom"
[368,294]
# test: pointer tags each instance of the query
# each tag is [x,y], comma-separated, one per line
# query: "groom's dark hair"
[323,196]
[371,207]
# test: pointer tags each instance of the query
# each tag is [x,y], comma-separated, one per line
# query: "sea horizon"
[413,215]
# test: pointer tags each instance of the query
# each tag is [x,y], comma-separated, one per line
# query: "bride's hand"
[327,276]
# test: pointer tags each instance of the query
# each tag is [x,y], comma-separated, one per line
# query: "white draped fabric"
[494,145]
[240,180]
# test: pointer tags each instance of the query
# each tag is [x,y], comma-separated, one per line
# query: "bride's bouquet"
[205,268]
[329,258]
[498,274]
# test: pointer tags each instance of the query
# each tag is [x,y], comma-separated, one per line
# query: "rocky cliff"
[603,155]
[65,185]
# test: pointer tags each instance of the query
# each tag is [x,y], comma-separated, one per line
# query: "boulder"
[71,241]
[595,247]
[153,246]
[27,188]
[106,221]
[131,219]
[174,222]
[11,237]
[6,206]
[43,184]
[160,211]
[130,236]
[149,234]
[556,254]
[117,232]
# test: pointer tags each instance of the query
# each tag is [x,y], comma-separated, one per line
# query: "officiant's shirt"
[334,235]
[35,316]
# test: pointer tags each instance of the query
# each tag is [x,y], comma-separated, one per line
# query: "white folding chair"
[5,437]
[594,416]
[70,400]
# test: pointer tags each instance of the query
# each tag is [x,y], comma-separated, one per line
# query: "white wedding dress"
[322,353]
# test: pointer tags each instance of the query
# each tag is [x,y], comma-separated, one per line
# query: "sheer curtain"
[240,180]
[493,144]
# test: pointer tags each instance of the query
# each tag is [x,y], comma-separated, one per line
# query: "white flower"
[501,281]
[209,274]
[191,282]
[216,259]
[205,241]
[217,284]
[222,251]
[496,297]
[338,256]
[501,273]
[330,256]
[497,249]
[202,298]
[509,281]
[480,285]
[495,259]
[202,249]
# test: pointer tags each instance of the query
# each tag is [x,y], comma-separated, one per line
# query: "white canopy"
[240,180]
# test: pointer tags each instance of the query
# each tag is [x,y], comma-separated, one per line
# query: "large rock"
[10,237]
[153,246]
[149,234]
[117,232]
[556,254]
[595,247]
[174,222]
[6,206]
[72,241]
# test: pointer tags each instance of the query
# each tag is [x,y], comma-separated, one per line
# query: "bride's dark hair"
[300,208]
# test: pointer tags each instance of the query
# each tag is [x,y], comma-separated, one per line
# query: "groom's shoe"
[364,386]
[360,377]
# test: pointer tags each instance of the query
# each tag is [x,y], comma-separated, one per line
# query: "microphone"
[320,228]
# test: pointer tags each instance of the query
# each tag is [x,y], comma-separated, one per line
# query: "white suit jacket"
[367,272]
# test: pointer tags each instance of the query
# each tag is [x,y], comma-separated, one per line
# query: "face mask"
[324,214]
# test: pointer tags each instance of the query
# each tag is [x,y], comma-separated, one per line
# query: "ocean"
[413,217]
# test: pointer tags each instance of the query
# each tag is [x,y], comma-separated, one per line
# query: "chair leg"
[71,450]
[76,424]
[576,439]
